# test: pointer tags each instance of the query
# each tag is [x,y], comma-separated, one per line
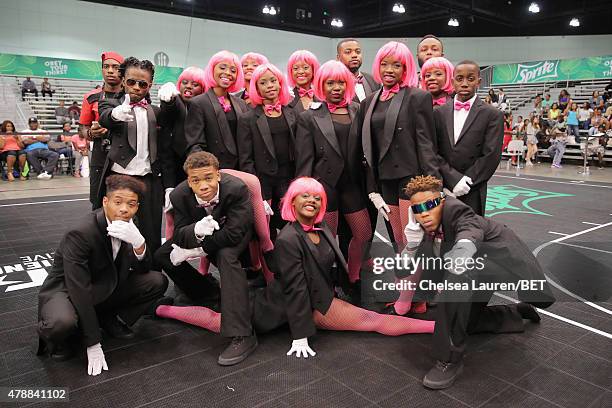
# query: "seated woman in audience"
[11,149]
[301,69]
[531,129]
[595,100]
[80,148]
[436,78]
[584,116]
[553,113]
[493,96]
[597,120]
[62,143]
[564,99]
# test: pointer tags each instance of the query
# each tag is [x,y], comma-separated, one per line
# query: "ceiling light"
[453,22]
[574,22]
[399,8]
[266,10]
[272,11]
[534,8]
[336,22]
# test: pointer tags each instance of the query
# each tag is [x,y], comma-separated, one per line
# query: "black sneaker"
[61,352]
[238,350]
[442,375]
[119,330]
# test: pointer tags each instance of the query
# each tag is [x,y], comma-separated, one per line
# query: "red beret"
[112,55]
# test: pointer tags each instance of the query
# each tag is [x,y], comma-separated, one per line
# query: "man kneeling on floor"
[101,278]
[479,257]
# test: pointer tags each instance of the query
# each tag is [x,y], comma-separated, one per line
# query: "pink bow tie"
[462,105]
[332,106]
[209,204]
[437,234]
[387,92]
[359,79]
[245,95]
[309,228]
[141,103]
[440,101]
[225,104]
[303,92]
[271,108]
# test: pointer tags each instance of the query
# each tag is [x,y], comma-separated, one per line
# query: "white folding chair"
[515,149]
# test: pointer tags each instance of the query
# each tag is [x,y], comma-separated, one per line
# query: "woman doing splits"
[328,149]
[437,79]
[212,120]
[249,62]
[302,293]
[301,69]
[266,137]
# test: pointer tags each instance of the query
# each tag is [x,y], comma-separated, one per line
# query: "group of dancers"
[283,175]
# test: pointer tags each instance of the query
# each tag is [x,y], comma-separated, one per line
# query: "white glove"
[95,360]
[300,347]
[168,203]
[463,186]
[206,226]
[463,250]
[123,112]
[126,232]
[448,192]
[180,255]
[413,232]
[380,204]
[267,209]
[167,92]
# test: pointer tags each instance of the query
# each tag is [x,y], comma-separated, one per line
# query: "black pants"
[24,91]
[58,318]
[47,92]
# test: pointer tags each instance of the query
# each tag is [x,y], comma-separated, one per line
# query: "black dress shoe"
[527,311]
[61,352]
[119,330]
[442,375]
[238,350]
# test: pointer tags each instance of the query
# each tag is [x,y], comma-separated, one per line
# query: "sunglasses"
[141,84]
[427,205]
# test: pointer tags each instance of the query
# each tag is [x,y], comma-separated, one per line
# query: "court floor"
[565,361]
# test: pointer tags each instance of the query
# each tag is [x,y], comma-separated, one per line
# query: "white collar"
[202,202]
[471,100]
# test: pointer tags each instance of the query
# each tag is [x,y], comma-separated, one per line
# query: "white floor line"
[584,247]
[44,202]
[590,223]
[552,181]
[557,233]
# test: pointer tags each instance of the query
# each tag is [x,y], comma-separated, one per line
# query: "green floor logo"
[513,199]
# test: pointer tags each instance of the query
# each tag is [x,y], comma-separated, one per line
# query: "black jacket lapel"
[471,117]
[448,113]
[152,125]
[390,121]
[264,130]
[366,131]
[323,119]
[224,129]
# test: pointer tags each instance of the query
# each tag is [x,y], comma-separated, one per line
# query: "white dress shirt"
[460,116]
[210,209]
[116,246]
[140,165]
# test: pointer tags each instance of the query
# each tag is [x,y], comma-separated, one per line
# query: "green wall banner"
[27,65]
[554,70]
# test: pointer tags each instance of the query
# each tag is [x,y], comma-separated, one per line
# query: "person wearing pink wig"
[303,292]
[397,131]
[266,137]
[249,62]
[212,120]
[437,79]
[328,148]
[301,69]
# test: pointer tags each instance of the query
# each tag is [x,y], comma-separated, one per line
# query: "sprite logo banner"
[553,70]
[27,65]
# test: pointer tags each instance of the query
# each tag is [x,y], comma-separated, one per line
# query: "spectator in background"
[74,111]
[11,149]
[519,124]
[537,104]
[596,121]
[37,149]
[61,113]
[531,128]
[599,148]
[493,96]
[507,130]
[487,100]
[80,149]
[543,135]
[553,114]
[28,86]
[558,142]
[564,99]
[571,112]
[608,114]
[502,100]
[430,46]
[62,143]
[584,116]
[596,100]
[546,104]
[46,88]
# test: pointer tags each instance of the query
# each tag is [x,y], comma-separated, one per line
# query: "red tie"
[332,106]
[440,101]
[303,92]
[225,104]
[141,103]
[271,108]
[387,92]
[462,105]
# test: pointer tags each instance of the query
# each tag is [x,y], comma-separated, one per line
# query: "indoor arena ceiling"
[377,18]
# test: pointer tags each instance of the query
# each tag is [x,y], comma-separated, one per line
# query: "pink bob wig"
[283,96]
[209,78]
[402,53]
[443,64]
[337,71]
[300,186]
[260,58]
[304,56]
[194,74]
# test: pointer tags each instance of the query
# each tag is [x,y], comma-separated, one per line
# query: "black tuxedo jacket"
[318,153]
[234,213]
[503,249]
[407,147]
[207,129]
[306,285]
[84,268]
[171,120]
[369,86]
[255,143]
[477,152]
[296,103]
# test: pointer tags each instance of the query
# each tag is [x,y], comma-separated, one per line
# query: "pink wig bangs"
[209,78]
[260,58]
[402,53]
[304,56]
[283,96]
[337,71]
[443,64]
[194,74]
[300,186]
